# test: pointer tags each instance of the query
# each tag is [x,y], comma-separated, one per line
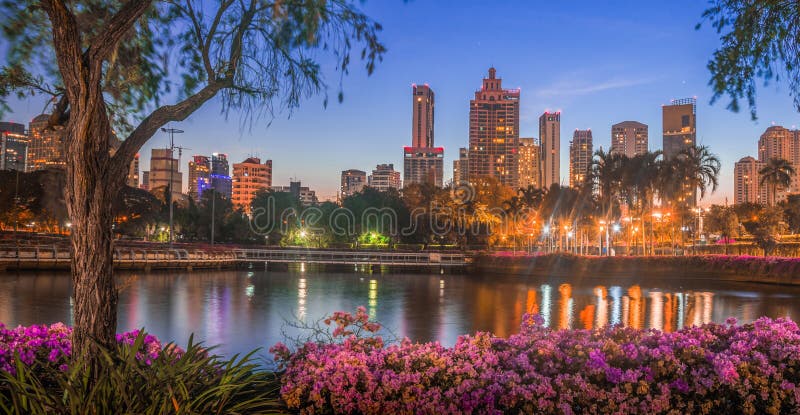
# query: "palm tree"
[778,174]
[640,181]
[699,168]
[607,174]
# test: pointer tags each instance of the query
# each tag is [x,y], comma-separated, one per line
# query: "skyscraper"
[746,182]
[629,138]
[353,181]
[220,174]
[45,145]
[199,176]
[422,161]
[679,123]
[529,159]
[580,157]
[13,146]
[133,172]
[163,168]
[249,177]
[422,116]
[550,148]
[494,132]
[384,177]
[461,167]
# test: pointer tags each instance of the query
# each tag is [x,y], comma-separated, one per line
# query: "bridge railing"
[348,257]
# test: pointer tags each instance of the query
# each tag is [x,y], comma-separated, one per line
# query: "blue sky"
[598,62]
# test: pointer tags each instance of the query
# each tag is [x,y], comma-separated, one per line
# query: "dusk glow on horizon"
[598,64]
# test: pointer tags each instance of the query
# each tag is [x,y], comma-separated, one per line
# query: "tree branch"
[109,36]
[67,44]
[158,118]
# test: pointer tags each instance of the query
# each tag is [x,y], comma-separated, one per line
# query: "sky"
[598,63]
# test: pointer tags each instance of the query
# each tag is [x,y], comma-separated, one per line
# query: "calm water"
[241,310]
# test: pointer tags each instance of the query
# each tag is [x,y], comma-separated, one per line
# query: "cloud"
[575,87]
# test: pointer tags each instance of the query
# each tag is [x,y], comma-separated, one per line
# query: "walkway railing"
[58,256]
[353,257]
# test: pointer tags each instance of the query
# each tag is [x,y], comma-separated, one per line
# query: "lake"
[241,310]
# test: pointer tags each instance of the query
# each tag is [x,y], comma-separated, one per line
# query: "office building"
[163,169]
[352,182]
[580,157]
[529,159]
[679,123]
[629,138]
[199,176]
[133,172]
[461,167]
[306,196]
[384,177]
[746,182]
[13,146]
[220,175]
[250,177]
[550,148]
[45,145]
[494,132]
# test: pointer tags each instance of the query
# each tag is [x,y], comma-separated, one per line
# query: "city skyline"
[672,66]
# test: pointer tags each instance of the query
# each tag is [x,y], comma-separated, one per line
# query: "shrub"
[754,368]
[140,376]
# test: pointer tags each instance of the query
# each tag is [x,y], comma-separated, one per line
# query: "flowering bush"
[51,345]
[715,368]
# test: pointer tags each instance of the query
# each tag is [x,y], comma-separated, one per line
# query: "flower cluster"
[715,368]
[51,345]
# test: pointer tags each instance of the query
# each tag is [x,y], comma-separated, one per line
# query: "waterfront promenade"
[57,257]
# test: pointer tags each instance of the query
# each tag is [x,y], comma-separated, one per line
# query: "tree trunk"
[90,189]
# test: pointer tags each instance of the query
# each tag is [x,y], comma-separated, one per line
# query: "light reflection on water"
[241,310]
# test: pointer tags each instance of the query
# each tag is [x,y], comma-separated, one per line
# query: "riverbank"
[770,270]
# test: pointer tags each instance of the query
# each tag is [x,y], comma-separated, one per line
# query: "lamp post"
[16,201]
[172,132]
[213,197]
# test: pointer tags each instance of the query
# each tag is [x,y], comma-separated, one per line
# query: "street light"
[172,132]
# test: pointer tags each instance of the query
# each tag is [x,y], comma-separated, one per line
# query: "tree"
[768,228]
[114,63]
[759,41]
[777,174]
[724,221]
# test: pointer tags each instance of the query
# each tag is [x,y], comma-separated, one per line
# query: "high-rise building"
[422,116]
[45,145]
[679,122]
[423,165]
[580,157]
[353,181]
[133,172]
[145,184]
[781,143]
[422,162]
[199,176]
[746,182]
[221,175]
[629,138]
[550,148]
[461,167]
[384,177]
[13,146]
[306,196]
[494,132]
[249,177]
[163,169]
[529,159]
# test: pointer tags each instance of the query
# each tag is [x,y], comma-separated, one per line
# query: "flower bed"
[51,345]
[753,368]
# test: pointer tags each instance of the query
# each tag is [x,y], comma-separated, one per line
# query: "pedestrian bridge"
[387,258]
[45,257]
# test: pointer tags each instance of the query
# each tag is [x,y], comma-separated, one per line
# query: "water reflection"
[244,310]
